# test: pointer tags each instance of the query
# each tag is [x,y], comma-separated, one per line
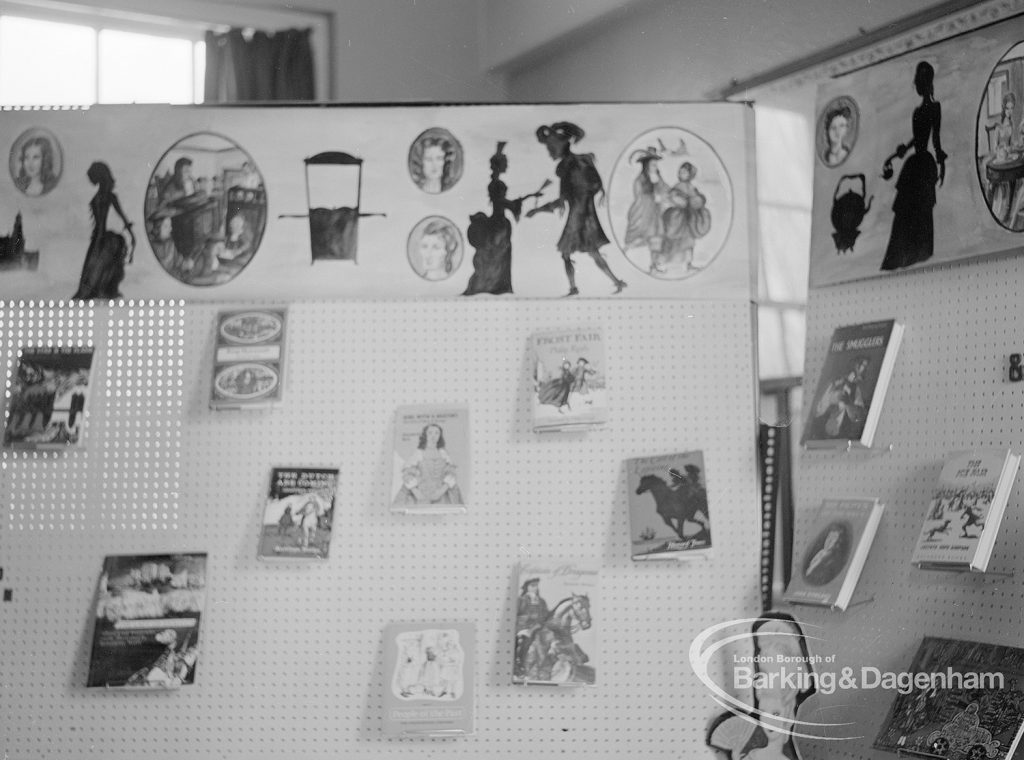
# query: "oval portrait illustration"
[1000,141]
[206,209]
[435,160]
[36,162]
[246,381]
[837,129]
[828,553]
[670,203]
[251,327]
[435,248]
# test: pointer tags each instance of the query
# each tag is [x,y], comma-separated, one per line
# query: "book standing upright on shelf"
[966,510]
[569,380]
[148,612]
[668,506]
[556,629]
[299,516]
[248,360]
[966,701]
[49,394]
[829,565]
[431,460]
[429,691]
[847,404]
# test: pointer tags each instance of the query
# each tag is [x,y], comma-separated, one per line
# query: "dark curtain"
[260,66]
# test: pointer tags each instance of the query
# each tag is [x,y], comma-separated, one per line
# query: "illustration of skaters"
[580,384]
[531,612]
[555,392]
[971,517]
[309,515]
[580,186]
[286,523]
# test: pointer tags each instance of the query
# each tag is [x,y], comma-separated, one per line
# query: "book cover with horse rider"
[668,506]
[556,640]
[47,404]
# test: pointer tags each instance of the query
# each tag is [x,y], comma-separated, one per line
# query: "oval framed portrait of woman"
[999,141]
[206,209]
[670,201]
[435,160]
[837,130]
[36,162]
[828,553]
[435,248]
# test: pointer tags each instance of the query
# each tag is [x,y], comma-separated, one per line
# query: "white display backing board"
[949,392]
[291,662]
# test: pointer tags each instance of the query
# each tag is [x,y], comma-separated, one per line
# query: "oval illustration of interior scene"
[1000,140]
[838,127]
[36,162]
[246,381]
[206,209]
[251,327]
[670,203]
[435,248]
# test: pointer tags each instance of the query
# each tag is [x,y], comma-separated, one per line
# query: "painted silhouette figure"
[912,238]
[108,252]
[580,185]
[491,235]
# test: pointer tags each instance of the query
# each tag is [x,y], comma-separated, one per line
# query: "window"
[44,62]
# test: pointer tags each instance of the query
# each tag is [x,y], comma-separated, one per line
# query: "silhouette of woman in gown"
[912,238]
[103,269]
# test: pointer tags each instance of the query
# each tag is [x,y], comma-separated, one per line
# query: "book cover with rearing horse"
[556,636]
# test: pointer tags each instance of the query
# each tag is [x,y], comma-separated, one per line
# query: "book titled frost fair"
[248,360]
[828,565]
[148,612]
[429,667]
[570,380]
[299,515]
[966,510]
[668,507]
[430,463]
[46,408]
[557,619]
[847,404]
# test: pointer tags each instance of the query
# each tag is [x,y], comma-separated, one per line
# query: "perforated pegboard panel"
[291,657]
[949,392]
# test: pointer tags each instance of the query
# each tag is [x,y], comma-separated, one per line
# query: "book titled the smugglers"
[148,612]
[248,359]
[299,515]
[847,404]
[557,619]
[429,691]
[569,380]
[48,398]
[966,510]
[958,700]
[668,506]
[827,567]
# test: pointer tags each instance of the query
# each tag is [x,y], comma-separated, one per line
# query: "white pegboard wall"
[291,656]
[949,392]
